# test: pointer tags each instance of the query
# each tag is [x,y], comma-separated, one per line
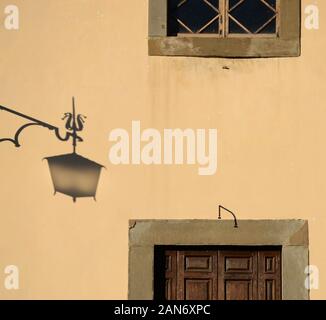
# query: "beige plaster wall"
[270,116]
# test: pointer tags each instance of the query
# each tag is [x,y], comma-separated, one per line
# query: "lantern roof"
[75,159]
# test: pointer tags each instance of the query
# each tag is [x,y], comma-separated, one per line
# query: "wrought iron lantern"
[72,174]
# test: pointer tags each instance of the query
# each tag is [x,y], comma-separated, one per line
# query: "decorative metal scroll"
[73,125]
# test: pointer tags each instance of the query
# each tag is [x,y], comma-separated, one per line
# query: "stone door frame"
[291,235]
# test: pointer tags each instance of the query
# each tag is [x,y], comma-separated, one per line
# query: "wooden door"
[218,274]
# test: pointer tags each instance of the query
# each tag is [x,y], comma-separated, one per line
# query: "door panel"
[198,289]
[197,275]
[242,273]
[170,275]
[238,264]
[237,275]
[269,275]
[238,290]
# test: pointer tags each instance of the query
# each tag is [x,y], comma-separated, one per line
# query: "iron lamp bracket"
[74,124]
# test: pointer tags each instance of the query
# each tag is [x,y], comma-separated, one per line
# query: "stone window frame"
[286,44]
[291,235]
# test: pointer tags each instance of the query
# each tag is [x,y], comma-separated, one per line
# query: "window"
[226,28]
[223,18]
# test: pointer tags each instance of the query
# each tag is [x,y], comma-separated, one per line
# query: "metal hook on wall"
[220,208]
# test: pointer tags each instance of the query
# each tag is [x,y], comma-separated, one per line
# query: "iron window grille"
[224,18]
